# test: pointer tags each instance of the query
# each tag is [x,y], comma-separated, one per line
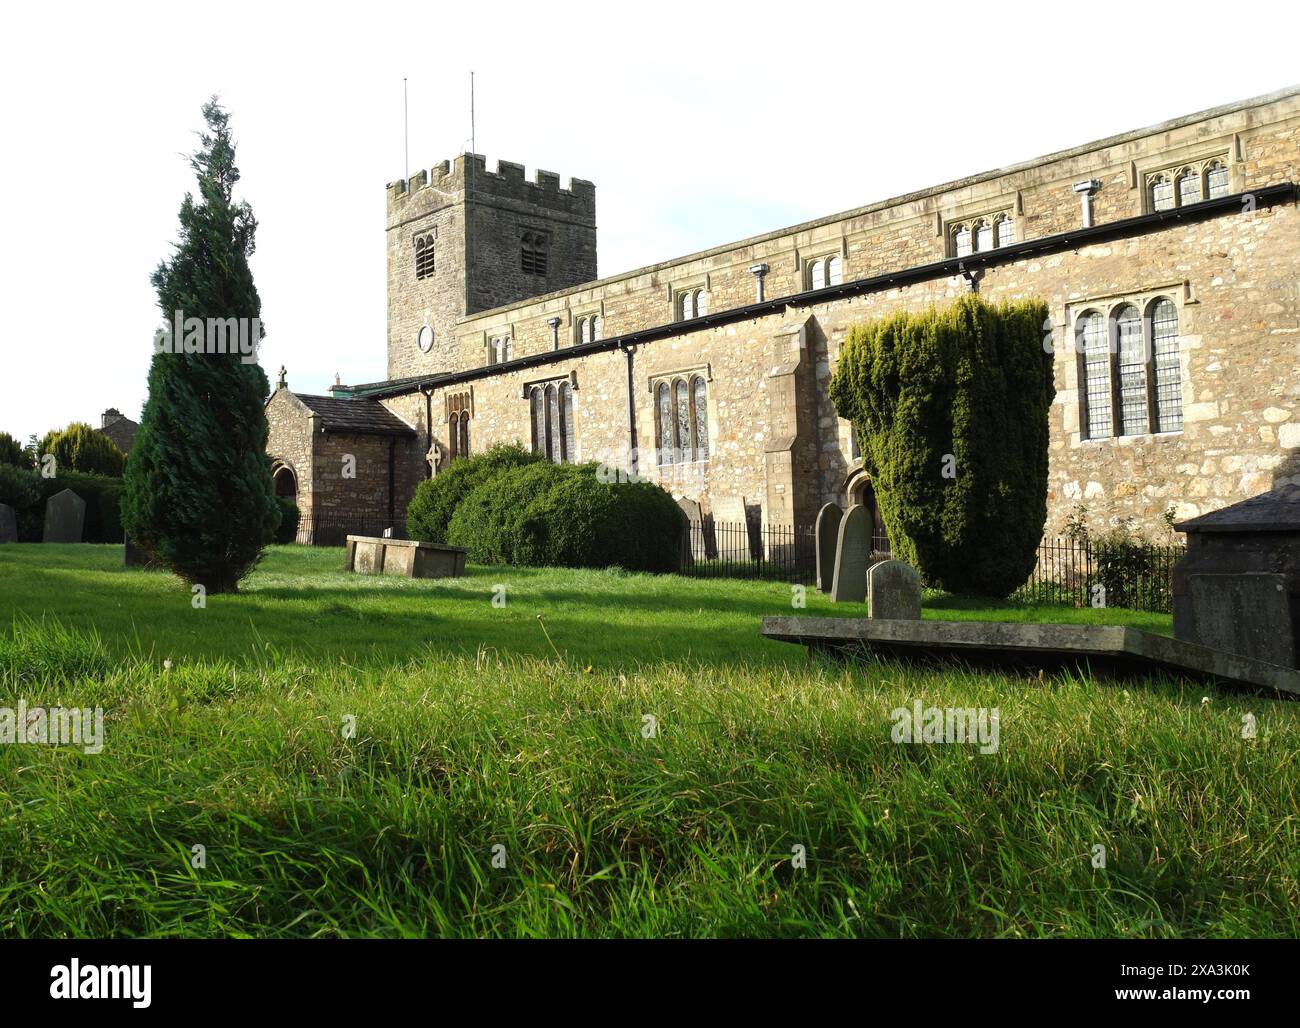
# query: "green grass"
[301,601]
[474,734]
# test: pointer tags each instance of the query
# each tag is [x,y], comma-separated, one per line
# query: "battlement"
[468,175]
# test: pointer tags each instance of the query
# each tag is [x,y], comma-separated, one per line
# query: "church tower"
[462,239]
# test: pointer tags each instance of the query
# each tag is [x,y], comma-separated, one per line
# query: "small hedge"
[429,513]
[549,515]
[289,518]
[26,491]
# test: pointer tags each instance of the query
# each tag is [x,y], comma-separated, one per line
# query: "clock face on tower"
[424,339]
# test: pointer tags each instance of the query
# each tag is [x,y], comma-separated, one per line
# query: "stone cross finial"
[337,380]
[283,383]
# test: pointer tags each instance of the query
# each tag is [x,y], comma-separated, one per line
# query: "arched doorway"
[285,482]
[859,490]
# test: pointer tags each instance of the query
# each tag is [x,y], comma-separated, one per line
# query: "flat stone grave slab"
[375,555]
[1111,648]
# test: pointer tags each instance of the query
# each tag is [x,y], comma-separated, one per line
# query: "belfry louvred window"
[424,256]
[534,252]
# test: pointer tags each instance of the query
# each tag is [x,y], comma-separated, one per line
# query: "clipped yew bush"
[950,407]
[564,515]
[436,499]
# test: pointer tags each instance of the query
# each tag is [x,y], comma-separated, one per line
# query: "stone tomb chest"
[1238,587]
[372,555]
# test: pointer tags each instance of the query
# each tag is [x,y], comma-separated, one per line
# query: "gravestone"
[731,528]
[828,530]
[8,524]
[134,556]
[893,591]
[693,541]
[852,551]
[65,518]
[1237,588]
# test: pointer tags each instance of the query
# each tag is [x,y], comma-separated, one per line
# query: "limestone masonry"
[1168,256]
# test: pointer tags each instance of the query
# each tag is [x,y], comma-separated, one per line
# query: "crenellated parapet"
[468,174]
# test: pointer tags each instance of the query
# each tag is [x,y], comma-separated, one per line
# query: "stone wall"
[775,439]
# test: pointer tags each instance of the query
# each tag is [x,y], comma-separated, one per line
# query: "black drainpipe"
[392,480]
[428,430]
[631,411]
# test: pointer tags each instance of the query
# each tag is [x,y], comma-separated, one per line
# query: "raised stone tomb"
[375,555]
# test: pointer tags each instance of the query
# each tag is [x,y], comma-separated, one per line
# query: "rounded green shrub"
[548,515]
[951,407]
[80,448]
[429,513]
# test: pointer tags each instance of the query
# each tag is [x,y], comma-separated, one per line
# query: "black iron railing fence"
[1075,573]
[326,528]
[1081,573]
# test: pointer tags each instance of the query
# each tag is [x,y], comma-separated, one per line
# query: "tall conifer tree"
[198,484]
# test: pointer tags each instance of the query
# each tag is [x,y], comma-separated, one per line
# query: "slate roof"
[361,417]
[1275,511]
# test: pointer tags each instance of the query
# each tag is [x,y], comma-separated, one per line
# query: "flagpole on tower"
[473,146]
[406,135]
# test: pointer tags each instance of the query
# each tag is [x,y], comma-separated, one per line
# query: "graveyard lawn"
[663,771]
[300,601]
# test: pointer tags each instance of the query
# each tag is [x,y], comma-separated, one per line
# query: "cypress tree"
[950,408]
[198,484]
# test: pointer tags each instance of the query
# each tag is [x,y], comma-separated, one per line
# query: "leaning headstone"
[65,518]
[852,550]
[8,524]
[828,530]
[893,591]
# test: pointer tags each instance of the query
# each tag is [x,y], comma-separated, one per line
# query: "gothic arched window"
[568,452]
[538,419]
[1162,193]
[664,409]
[424,263]
[700,409]
[1094,357]
[597,327]
[1132,366]
[464,433]
[1189,187]
[1216,180]
[834,271]
[1168,368]
[961,242]
[983,236]
[817,275]
[1006,231]
[554,438]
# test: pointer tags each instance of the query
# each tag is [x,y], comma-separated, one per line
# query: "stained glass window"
[683,420]
[664,403]
[701,403]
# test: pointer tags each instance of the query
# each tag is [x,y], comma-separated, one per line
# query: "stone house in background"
[1168,257]
[118,428]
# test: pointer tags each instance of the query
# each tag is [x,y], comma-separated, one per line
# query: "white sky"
[700,123]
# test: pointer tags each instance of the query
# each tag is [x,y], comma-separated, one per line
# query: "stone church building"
[1168,257]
